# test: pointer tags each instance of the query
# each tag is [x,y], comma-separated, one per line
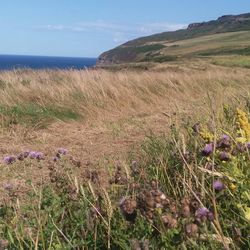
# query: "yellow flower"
[241,139]
[247,213]
[243,125]
[206,135]
[233,187]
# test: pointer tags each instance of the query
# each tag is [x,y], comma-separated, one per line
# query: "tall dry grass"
[102,94]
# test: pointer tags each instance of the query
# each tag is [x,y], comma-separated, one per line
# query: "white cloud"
[160,27]
[52,27]
[103,25]
[120,37]
[119,32]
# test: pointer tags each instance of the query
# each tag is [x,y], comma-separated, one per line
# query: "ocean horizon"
[10,62]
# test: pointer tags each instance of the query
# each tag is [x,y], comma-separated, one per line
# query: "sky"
[86,28]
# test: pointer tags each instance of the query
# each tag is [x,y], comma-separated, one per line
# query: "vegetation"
[187,191]
[125,158]
[241,61]
[39,98]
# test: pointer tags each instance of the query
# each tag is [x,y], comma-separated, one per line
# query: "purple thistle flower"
[224,142]
[210,216]
[39,156]
[8,186]
[225,137]
[224,156]
[62,151]
[248,145]
[32,154]
[218,185]
[207,150]
[55,159]
[202,211]
[9,159]
[26,154]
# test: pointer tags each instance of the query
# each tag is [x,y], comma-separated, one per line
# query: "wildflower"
[32,155]
[55,159]
[210,216]
[218,185]
[224,156]
[26,154]
[202,212]
[62,151]
[9,159]
[128,208]
[224,142]
[248,145]
[206,135]
[243,125]
[207,150]
[8,186]
[233,187]
[225,137]
[39,156]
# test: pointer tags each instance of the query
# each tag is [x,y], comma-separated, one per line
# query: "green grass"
[225,51]
[148,48]
[236,61]
[31,114]
[73,213]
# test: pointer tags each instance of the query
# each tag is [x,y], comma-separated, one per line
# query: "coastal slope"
[227,35]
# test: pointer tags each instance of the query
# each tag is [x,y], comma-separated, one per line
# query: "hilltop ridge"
[159,47]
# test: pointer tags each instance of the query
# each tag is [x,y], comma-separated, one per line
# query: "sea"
[10,62]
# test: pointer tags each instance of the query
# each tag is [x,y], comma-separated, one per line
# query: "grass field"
[210,45]
[126,159]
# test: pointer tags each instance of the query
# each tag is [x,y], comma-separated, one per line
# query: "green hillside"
[225,36]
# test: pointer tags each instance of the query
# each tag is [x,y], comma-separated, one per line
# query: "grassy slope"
[224,36]
[232,43]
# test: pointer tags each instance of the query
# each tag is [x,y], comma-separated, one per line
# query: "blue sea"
[9,62]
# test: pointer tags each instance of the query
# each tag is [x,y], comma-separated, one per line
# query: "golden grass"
[101,94]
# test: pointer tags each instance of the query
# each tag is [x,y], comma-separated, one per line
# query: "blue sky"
[89,27]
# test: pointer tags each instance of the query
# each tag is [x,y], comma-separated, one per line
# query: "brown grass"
[101,94]
[117,108]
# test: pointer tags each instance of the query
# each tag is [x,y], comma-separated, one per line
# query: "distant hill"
[227,35]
